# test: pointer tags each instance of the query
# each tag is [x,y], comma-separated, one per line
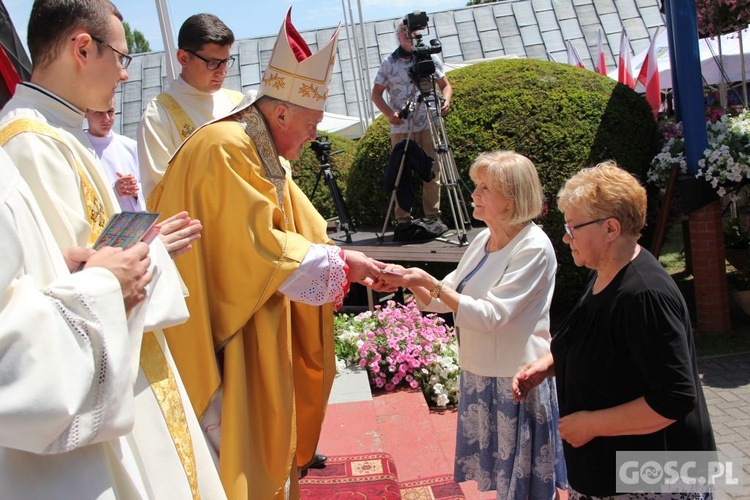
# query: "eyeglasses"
[213,64]
[570,229]
[124,58]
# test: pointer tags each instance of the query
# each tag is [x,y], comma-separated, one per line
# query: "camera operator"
[394,77]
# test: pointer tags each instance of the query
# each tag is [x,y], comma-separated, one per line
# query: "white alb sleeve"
[320,278]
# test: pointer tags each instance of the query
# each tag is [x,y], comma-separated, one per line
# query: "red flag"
[601,62]
[649,77]
[8,72]
[573,58]
[624,66]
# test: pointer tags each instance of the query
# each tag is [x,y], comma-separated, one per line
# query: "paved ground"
[726,384]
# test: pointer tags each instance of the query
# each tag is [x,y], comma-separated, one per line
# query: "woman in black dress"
[624,359]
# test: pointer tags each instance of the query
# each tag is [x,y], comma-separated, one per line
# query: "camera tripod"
[426,95]
[322,150]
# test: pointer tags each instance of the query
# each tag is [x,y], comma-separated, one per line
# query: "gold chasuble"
[270,360]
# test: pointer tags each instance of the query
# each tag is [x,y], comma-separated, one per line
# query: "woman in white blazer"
[500,295]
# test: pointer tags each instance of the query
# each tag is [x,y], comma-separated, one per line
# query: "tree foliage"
[136,40]
[563,118]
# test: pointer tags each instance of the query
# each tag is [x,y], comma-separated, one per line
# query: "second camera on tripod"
[321,146]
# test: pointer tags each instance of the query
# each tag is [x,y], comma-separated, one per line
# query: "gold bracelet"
[435,292]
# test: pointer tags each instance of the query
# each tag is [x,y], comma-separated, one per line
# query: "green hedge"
[563,118]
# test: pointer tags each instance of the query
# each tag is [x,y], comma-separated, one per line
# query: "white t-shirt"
[394,76]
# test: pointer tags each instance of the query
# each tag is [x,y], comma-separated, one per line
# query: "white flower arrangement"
[725,163]
[725,166]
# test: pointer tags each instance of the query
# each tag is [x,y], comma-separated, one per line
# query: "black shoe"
[318,462]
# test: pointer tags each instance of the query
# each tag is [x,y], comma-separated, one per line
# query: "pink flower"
[401,346]
[716,17]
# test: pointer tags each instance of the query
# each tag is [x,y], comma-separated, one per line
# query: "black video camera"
[416,21]
[322,148]
[321,144]
[424,66]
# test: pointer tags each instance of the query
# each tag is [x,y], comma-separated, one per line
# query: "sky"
[249,18]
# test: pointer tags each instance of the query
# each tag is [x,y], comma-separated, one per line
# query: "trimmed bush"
[305,170]
[563,118]
[367,200]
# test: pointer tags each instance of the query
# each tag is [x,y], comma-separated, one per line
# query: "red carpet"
[362,476]
[431,488]
[372,476]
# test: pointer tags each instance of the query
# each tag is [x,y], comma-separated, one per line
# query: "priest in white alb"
[79,53]
[66,400]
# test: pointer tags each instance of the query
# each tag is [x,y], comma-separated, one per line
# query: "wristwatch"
[435,292]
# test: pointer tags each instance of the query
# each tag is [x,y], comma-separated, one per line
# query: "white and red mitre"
[294,73]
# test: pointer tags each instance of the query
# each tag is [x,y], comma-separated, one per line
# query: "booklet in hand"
[125,229]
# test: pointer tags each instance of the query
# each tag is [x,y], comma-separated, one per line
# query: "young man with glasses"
[194,98]
[140,439]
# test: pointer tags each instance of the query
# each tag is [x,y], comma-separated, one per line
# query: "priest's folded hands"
[178,232]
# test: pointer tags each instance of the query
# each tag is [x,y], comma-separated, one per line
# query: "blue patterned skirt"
[513,448]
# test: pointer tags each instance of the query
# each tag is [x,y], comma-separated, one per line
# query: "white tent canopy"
[348,126]
[709,55]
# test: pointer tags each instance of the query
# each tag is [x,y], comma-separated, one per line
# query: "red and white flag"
[601,62]
[624,65]
[649,77]
[573,58]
